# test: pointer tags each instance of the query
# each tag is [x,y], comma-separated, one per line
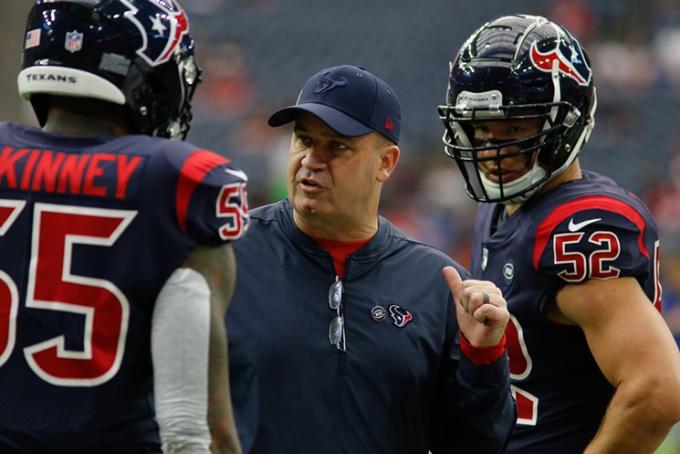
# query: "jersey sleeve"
[593,238]
[211,199]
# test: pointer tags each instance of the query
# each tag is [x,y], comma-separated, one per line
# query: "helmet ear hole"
[163,95]
[159,91]
[156,84]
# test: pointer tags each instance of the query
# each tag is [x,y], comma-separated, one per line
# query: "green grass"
[672,443]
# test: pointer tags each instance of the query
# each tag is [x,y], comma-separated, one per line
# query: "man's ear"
[389,157]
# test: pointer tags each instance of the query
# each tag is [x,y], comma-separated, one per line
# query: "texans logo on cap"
[400,315]
[326,84]
[161,31]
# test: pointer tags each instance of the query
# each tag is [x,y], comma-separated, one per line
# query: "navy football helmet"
[134,53]
[518,67]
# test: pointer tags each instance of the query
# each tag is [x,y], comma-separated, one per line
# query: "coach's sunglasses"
[336,330]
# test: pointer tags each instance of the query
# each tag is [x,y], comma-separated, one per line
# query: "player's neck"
[85,117]
[573,172]
[79,125]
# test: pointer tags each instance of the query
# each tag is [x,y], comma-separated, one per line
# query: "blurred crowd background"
[256,54]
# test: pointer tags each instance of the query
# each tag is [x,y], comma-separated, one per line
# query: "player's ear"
[389,157]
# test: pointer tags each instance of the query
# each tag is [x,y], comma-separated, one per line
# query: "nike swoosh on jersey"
[237,173]
[576,226]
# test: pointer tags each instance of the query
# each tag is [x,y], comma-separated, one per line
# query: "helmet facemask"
[538,149]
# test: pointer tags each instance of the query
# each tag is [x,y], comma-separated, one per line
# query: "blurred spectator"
[263,151]
[670,280]
[665,41]
[577,16]
[623,66]
[664,202]
[664,199]
[227,88]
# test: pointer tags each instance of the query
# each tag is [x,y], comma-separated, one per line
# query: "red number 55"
[52,286]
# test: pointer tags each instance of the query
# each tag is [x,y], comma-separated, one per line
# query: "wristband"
[482,356]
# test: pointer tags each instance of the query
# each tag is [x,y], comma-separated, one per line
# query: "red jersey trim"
[546,228]
[481,356]
[194,169]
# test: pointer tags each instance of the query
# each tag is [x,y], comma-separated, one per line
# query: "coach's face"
[333,179]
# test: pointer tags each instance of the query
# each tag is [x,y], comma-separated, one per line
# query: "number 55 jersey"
[90,229]
[585,229]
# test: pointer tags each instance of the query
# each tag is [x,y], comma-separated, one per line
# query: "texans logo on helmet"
[162,25]
[400,315]
[576,68]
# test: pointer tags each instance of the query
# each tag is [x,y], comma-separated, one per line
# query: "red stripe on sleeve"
[546,228]
[194,169]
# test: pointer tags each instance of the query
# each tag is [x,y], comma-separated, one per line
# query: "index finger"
[454,282]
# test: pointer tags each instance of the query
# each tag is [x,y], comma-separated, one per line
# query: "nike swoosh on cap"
[576,226]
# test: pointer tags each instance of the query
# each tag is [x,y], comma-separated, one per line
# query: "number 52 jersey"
[90,229]
[585,229]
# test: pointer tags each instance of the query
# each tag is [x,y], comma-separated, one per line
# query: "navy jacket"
[395,390]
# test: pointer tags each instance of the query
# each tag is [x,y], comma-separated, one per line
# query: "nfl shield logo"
[74,41]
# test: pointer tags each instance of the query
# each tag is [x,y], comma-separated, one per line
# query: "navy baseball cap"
[350,100]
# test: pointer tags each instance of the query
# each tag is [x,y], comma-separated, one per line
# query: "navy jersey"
[90,229]
[586,229]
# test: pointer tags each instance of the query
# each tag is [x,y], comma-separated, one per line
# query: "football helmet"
[134,53]
[518,67]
